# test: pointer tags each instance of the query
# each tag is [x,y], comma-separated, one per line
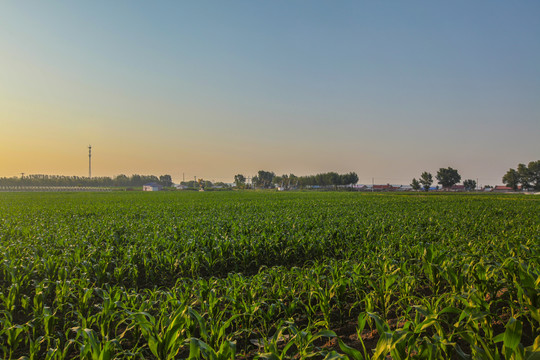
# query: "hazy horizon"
[213,89]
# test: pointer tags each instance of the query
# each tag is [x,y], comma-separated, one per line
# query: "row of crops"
[269,275]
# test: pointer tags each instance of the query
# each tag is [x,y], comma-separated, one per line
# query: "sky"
[387,89]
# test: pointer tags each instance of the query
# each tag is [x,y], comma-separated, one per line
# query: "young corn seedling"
[355,354]
[511,339]
[92,348]
[15,338]
[200,350]
[289,341]
[165,337]
[213,331]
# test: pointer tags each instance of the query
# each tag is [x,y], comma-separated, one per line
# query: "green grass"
[221,275]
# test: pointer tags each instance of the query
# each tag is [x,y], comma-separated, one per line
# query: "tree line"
[525,176]
[268,179]
[62,180]
[204,184]
[446,177]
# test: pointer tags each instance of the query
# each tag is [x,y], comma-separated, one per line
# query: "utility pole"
[89,161]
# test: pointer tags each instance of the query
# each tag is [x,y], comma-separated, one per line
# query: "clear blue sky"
[214,88]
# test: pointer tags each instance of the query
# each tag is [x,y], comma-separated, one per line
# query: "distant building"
[386,187]
[152,187]
[500,188]
[180,187]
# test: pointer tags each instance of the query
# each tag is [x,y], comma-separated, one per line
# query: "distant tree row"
[446,177]
[268,179]
[204,184]
[528,176]
[61,180]
[328,179]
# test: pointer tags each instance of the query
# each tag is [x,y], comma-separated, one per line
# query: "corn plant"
[268,275]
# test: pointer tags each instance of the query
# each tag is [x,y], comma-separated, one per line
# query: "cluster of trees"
[424,182]
[264,179]
[204,184]
[446,177]
[268,179]
[240,181]
[470,184]
[528,176]
[328,179]
[61,180]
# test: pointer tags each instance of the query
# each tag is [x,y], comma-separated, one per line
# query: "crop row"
[264,275]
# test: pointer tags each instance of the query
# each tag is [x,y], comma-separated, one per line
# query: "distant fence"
[53,188]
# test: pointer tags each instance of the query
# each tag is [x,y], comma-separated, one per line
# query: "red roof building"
[386,187]
[501,188]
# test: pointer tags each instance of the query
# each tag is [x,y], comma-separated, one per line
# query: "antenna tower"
[89,161]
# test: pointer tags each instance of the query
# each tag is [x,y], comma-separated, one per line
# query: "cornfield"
[261,275]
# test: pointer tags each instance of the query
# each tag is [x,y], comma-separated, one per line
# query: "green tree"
[240,181]
[264,178]
[165,180]
[415,184]
[534,174]
[136,180]
[285,181]
[511,179]
[524,176]
[469,184]
[349,179]
[332,178]
[426,179]
[121,180]
[293,180]
[278,180]
[447,177]
[192,184]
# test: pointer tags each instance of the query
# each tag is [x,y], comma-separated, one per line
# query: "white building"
[152,187]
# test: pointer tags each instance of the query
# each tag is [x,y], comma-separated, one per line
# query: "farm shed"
[500,188]
[152,187]
[386,187]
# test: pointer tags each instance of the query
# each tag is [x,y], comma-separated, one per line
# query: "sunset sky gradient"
[387,89]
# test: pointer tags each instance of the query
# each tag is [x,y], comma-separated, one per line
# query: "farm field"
[223,275]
